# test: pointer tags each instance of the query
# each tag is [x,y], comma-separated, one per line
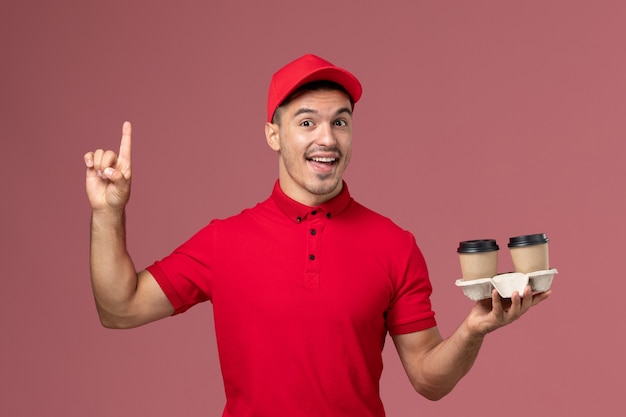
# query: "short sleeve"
[185,276]
[411,309]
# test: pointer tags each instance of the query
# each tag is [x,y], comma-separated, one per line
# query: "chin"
[325,189]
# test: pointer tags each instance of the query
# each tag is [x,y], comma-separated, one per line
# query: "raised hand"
[108,175]
[491,314]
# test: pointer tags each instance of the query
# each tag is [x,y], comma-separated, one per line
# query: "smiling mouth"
[326,161]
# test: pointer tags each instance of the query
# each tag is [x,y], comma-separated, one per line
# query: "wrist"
[473,333]
[108,217]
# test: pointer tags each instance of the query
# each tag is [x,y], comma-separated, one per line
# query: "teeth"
[323,159]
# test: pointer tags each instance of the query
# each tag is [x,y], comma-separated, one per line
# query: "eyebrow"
[305,110]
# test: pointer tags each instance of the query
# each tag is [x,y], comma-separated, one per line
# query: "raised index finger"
[125,144]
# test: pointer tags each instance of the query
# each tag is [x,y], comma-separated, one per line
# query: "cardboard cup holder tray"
[507,284]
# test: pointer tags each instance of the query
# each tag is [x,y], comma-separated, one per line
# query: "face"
[314,145]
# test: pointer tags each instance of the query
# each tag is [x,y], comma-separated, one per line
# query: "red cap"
[306,69]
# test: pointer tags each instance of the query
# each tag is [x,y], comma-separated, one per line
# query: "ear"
[272,136]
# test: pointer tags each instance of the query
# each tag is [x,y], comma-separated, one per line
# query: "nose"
[326,135]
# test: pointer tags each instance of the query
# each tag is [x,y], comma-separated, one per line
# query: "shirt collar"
[298,212]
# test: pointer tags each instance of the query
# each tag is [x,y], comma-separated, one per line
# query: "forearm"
[435,366]
[445,364]
[113,275]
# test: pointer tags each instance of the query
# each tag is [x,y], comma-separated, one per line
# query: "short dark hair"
[312,86]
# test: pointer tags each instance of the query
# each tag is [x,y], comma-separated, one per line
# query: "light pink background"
[479,119]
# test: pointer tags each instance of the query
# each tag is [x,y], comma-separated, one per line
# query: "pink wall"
[479,119]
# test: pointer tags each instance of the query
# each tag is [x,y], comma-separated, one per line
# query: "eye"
[341,123]
[306,123]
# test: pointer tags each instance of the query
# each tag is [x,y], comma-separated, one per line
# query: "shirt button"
[328,215]
[298,219]
[314,212]
[312,257]
[313,232]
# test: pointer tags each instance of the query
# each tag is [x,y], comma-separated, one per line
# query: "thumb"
[115,176]
[119,194]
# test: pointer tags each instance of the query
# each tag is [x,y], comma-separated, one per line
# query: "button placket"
[315,224]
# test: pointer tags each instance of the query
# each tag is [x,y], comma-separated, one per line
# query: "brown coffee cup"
[529,253]
[478,258]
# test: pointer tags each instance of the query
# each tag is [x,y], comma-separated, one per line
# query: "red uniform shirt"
[303,298]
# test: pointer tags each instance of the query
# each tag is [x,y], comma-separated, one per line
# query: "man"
[305,285]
